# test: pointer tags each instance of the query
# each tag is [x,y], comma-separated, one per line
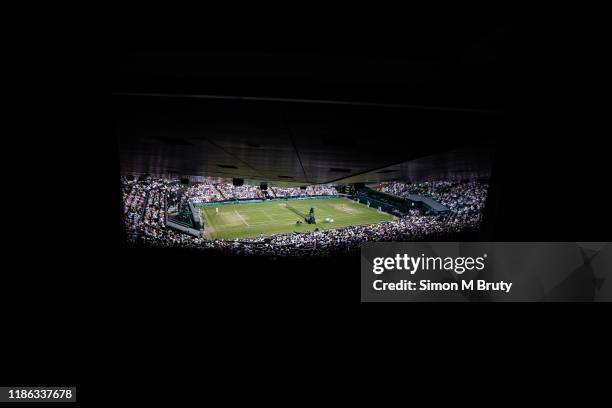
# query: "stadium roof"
[295,143]
[314,115]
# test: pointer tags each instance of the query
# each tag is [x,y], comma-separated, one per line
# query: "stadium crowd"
[319,190]
[316,190]
[232,192]
[462,198]
[287,192]
[207,192]
[203,193]
[144,206]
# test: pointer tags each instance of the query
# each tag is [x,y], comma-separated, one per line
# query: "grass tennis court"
[273,217]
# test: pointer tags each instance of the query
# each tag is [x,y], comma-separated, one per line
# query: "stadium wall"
[190,231]
[196,219]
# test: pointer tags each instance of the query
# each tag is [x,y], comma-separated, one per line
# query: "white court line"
[243,220]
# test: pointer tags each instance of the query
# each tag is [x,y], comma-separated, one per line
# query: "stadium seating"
[145,207]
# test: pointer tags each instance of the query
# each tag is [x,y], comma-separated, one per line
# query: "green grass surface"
[273,217]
